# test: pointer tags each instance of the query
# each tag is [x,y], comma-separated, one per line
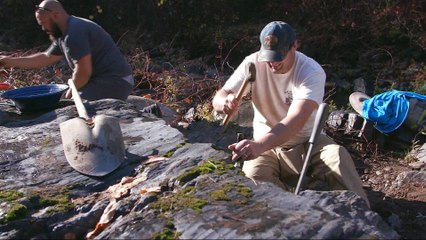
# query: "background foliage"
[380,41]
[328,29]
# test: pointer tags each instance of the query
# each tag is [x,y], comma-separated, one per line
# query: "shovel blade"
[93,150]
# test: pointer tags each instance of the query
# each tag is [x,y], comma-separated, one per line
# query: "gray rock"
[409,177]
[190,191]
[420,153]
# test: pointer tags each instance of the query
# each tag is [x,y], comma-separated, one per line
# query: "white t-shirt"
[273,93]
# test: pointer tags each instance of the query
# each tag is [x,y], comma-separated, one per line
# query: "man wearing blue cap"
[288,88]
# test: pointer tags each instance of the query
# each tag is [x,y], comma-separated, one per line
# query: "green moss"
[165,234]
[193,173]
[181,145]
[222,194]
[185,198]
[17,211]
[186,191]
[244,190]
[209,166]
[171,152]
[169,232]
[220,166]
[10,195]
[60,202]
[181,200]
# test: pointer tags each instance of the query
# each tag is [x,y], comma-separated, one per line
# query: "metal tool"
[239,162]
[320,118]
[92,146]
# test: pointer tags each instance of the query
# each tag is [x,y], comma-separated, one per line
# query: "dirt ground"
[407,202]
[404,208]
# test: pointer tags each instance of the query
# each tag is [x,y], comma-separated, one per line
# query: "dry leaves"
[122,189]
[118,191]
[105,219]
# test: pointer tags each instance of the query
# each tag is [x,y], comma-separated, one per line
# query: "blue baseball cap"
[276,39]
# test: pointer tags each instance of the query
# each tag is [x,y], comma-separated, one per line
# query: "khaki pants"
[330,163]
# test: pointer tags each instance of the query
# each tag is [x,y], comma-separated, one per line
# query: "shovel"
[92,146]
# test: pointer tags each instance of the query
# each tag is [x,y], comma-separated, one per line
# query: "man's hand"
[245,150]
[230,104]
[225,102]
[67,94]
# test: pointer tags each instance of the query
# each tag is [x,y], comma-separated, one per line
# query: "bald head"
[52,6]
[52,17]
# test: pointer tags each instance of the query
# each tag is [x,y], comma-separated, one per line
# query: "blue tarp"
[389,110]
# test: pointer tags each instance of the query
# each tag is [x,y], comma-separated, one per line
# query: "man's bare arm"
[298,114]
[36,60]
[82,73]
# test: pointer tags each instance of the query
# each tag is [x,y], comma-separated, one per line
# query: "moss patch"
[181,200]
[60,201]
[171,152]
[244,190]
[17,211]
[169,232]
[222,194]
[10,195]
[209,166]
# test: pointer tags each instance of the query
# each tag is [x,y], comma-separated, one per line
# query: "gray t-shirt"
[84,37]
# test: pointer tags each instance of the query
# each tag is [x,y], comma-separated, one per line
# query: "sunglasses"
[37,7]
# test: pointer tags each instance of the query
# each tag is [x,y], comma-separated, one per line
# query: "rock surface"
[175,182]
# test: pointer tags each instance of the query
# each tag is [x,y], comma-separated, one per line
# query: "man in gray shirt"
[99,68]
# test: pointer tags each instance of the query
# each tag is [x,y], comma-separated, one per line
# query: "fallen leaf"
[151,189]
[105,219]
[122,189]
[155,158]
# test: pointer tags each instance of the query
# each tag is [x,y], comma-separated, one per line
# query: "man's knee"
[258,172]
[333,155]
[263,173]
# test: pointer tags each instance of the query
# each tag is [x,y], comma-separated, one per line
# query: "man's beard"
[55,33]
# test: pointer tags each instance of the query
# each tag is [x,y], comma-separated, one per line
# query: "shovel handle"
[77,100]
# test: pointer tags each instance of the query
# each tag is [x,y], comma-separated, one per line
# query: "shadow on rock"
[404,224]
[212,132]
